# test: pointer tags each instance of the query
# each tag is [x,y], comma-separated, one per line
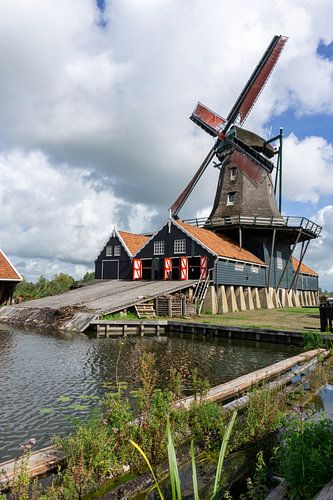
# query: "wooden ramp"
[75,309]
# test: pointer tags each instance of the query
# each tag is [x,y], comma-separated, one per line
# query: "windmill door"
[137,269]
[203,267]
[167,268]
[183,268]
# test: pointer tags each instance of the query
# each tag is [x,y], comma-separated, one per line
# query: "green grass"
[299,310]
[118,315]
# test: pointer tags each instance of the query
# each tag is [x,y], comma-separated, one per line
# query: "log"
[37,464]
[235,387]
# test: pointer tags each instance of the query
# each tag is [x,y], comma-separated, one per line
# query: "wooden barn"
[115,259]
[9,278]
[180,251]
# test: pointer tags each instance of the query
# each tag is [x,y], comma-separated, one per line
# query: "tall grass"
[175,482]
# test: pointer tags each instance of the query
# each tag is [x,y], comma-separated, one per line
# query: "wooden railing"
[289,221]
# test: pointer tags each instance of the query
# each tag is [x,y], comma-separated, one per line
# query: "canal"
[46,379]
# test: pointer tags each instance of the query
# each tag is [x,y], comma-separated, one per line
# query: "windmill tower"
[245,201]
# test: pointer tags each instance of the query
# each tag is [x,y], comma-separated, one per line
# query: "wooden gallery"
[245,249]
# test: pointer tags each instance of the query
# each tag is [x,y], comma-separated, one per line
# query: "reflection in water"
[45,379]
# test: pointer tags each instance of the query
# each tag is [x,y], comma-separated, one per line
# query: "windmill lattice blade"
[256,82]
[177,205]
[211,122]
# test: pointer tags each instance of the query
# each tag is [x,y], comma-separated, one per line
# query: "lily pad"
[46,411]
[88,396]
[78,407]
[64,399]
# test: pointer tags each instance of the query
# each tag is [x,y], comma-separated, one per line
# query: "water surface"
[47,378]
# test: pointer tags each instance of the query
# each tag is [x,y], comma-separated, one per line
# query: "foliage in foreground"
[307,456]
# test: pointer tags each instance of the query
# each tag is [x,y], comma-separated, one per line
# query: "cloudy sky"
[94,128]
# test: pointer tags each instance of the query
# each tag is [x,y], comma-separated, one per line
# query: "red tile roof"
[133,241]
[303,269]
[7,270]
[218,244]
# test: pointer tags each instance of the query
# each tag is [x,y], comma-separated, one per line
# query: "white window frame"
[109,251]
[279,260]
[179,246]
[233,173]
[231,201]
[254,269]
[239,266]
[159,247]
[117,250]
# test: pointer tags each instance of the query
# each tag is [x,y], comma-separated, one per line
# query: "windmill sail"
[256,82]
[211,122]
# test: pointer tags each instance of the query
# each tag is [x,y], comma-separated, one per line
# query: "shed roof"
[7,270]
[303,269]
[133,241]
[219,244]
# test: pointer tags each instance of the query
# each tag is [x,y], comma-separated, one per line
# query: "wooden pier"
[116,328]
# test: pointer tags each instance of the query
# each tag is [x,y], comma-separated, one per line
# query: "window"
[233,173]
[108,251]
[117,250]
[231,198]
[239,266]
[179,246]
[158,247]
[255,269]
[279,260]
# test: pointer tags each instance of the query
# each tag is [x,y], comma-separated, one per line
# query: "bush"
[307,456]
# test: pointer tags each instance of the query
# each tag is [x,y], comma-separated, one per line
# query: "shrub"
[307,456]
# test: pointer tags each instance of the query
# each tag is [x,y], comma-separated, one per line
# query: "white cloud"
[320,253]
[58,213]
[308,168]
[96,117]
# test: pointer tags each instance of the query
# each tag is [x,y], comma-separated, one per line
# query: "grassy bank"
[291,319]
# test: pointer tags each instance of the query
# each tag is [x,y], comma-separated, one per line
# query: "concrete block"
[210,302]
[231,299]
[266,299]
[222,300]
[240,298]
[248,299]
[256,298]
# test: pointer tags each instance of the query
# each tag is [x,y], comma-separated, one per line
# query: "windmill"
[245,201]
[239,149]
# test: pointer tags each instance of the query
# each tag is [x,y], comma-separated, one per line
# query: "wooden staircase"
[145,310]
[200,292]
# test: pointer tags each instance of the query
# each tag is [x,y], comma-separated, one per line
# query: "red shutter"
[137,269]
[167,268]
[203,267]
[183,268]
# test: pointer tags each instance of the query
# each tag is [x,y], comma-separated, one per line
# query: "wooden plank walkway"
[45,460]
[98,299]
[237,386]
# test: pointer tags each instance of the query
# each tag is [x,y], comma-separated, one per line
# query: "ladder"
[145,310]
[200,292]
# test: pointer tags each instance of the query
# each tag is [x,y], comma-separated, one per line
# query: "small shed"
[307,279]
[115,259]
[9,278]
